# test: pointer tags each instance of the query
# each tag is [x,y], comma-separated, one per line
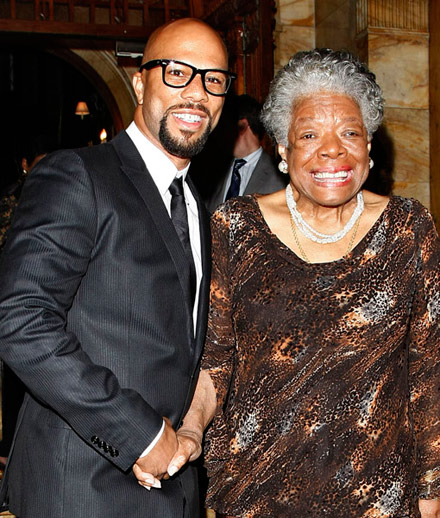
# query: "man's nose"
[195,90]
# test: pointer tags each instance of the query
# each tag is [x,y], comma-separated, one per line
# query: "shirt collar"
[160,167]
[254,156]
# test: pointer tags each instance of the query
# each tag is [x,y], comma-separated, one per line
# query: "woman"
[321,363]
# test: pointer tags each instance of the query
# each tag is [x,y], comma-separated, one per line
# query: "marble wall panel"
[400,62]
[326,8]
[296,12]
[291,39]
[338,29]
[417,190]
[408,130]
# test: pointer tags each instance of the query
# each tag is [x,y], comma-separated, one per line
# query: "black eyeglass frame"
[202,71]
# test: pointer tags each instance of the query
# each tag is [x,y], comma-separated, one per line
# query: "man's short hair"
[246,107]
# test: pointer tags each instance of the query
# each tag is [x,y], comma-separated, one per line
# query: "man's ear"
[243,125]
[25,165]
[138,86]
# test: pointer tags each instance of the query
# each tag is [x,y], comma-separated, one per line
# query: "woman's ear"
[282,151]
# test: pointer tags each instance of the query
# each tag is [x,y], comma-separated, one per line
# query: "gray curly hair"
[309,72]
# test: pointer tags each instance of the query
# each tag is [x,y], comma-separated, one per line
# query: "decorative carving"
[396,14]
[219,13]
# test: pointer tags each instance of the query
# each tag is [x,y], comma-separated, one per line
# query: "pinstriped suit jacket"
[95,318]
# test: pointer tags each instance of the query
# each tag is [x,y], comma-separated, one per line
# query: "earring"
[283,167]
[371,163]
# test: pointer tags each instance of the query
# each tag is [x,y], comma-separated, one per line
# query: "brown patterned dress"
[327,375]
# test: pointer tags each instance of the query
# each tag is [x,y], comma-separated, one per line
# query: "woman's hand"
[429,508]
[189,449]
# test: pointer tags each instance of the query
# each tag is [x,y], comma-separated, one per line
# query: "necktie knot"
[176,187]
[234,188]
[238,164]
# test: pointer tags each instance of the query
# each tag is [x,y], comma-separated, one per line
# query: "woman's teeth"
[338,176]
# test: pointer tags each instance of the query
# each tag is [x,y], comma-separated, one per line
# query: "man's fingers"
[146,479]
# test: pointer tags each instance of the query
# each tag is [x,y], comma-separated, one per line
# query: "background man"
[252,169]
[103,299]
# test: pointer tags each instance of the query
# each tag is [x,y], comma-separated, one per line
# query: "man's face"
[179,120]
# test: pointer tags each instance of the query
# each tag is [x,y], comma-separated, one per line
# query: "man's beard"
[185,146]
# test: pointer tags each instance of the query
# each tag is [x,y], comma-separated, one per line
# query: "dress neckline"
[290,255]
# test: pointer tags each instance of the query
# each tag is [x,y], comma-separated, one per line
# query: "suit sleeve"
[45,259]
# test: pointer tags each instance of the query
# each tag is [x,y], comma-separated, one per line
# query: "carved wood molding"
[392,14]
[219,13]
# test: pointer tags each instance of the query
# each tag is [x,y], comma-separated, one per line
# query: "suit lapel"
[258,178]
[134,167]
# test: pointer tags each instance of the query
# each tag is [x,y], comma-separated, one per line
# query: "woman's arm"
[199,415]
[190,434]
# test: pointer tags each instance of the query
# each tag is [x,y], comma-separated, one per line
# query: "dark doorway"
[39,93]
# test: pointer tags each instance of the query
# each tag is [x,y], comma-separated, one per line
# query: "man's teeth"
[187,117]
[325,175]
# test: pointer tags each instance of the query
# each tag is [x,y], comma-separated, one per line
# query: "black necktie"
[234,188]
[179,217]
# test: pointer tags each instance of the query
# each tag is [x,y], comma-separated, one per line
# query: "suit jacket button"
[115,453]
[106,448]
[94,439]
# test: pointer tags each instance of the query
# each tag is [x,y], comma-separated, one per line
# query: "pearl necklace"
[301,249]
[313,234]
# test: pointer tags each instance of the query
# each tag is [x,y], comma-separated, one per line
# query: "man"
[252,169]
[103,299]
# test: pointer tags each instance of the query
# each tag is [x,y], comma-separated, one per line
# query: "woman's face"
[328,149]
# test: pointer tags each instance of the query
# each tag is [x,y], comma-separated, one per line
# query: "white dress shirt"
[163,172]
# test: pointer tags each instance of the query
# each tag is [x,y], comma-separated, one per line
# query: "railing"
[99,18]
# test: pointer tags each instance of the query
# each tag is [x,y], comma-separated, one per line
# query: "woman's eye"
[351,133]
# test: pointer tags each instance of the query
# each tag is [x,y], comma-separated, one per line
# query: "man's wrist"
[154,441]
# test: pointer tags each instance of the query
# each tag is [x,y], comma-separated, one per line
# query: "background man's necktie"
[179,217]
[234,188]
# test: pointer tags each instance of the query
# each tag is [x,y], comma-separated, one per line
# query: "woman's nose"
[331,146]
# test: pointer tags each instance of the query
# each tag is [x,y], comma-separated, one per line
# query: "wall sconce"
[82,109]
[103,136]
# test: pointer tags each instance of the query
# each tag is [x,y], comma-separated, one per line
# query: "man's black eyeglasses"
[178,75]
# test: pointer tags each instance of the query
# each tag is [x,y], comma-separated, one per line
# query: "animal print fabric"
[327,375]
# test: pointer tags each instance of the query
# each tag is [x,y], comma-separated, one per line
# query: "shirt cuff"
[154,441]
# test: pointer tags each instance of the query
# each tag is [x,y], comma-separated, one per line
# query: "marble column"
[393,38]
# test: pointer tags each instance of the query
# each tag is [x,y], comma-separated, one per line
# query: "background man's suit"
[265,179]
[107,301]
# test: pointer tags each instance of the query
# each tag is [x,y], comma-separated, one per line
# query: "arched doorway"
[40,87]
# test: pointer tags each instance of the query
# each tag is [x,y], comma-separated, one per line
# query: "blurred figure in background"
[33,150]
[236,160]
